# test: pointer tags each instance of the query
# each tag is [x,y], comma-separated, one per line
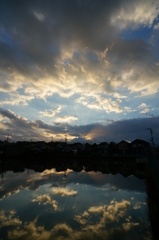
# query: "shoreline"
[105,164]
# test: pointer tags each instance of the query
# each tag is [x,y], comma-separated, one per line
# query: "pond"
[73,205]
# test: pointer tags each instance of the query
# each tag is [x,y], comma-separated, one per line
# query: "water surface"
[73,205]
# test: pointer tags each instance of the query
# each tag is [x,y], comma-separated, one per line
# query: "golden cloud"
[9,219]
[64,192]
[46,199]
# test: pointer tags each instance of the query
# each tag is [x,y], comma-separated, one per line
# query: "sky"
[85,70]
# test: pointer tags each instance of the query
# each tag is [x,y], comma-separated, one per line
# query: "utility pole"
[66,138]
[5,146]
[151,133]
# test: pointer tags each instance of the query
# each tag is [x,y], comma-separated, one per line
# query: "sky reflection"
[71,205]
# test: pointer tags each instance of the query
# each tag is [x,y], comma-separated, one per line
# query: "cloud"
[135,14]
[134,64]
[97,102]
[73,52]
[9,219]
[128,109]
[32,181]
[156,26]
[129,226]
[29,230]
[64,192]
[21,128]
[18,127]
[9,193]
[124,129]
[89,58]
[39,16]
[62,228]
[137,206]
[52,35]
[96,209]
[66,119]
[113,213]
[32,230]
[142,105]
[82,219]
[47,173]
[17,99]
[101,229]
[46,199]
[144,109]
[51,113]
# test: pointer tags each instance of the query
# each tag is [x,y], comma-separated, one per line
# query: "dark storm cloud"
[130,51]
[56,129]
[34,31]
[126,55]
[36,34]
[115,131]
[133,128]
[133,64]
[17,120]
[76,47]
[18,127]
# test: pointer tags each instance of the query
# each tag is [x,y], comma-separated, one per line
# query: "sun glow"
[95,132]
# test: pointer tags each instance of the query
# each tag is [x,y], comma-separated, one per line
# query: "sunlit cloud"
[59,65]
[115,206]
[31,230]
[128,109]
[96,209]
[51,113]
[46,199]
[99,103]
[156,26]
[144,109]
[128,226]
[66,119]
[112,213]
[9,219]
[62,227]
[135,14]
[17,99]
[53,171]
[18,128]
[10,193]
[100,228]
[142,105]
[82,219]
[64,192]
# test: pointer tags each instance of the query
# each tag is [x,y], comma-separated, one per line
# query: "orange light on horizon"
[96,132]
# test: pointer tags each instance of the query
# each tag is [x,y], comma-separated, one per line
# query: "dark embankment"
[110,164]
[152,181]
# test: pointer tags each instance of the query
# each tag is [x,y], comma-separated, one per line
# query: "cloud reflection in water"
[84,206]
